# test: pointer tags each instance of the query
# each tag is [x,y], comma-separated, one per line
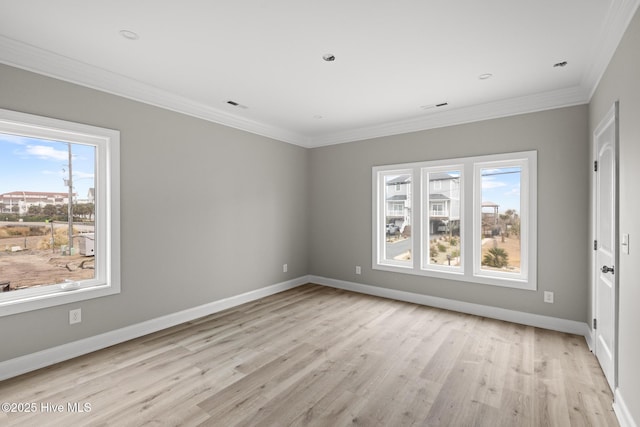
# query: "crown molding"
[616,22]
[43,62]
[30,58]
[492,110]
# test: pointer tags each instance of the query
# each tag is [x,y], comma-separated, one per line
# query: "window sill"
[515,283]
[54,298]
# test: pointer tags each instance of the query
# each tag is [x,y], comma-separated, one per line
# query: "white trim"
[470,272]
[379,218]
[618,17]
[425,240]
[30,362]
[527,212]
[536,320]
[31,58]
[107,273]
[589,338]
[611,115]
[621,410]
[41,61]
[569,97]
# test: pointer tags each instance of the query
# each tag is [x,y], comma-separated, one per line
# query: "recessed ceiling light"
[560,64]
[129,35]
[329,57]
[485,76]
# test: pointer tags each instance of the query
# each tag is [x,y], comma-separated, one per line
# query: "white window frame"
[107,211]
[439,205]
[426,169]
[470,219]
[380,222]
[524,213]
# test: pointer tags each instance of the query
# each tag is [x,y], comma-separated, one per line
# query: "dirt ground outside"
[511,245]
[30,266]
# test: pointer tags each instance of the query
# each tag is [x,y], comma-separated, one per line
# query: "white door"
[605,139]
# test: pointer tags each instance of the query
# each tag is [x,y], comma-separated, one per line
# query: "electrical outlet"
[75,316]
[548,297]
[285,268]
[358,269]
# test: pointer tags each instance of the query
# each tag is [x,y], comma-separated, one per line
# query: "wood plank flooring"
[317,356]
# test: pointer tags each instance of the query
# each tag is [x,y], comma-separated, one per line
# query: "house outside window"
[474,219]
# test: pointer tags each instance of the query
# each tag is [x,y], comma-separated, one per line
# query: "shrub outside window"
[474,218]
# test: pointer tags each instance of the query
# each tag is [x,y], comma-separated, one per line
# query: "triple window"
[471,219]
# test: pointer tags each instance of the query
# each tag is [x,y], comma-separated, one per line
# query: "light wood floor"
[319,356]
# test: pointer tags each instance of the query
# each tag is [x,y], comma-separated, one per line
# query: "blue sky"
[30,164]
[502,186]
[499,185]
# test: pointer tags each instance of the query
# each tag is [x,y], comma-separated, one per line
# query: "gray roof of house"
[439,176]
[438,196]
[402,179]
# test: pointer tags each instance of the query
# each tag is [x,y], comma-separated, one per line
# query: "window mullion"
[438,208]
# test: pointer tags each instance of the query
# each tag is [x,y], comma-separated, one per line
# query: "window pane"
[46,199]
[397,195]
[500,219]
[443,218]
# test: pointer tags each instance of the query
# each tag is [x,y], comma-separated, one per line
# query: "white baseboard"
[589,337]
[622,411]
[30,362]
[539,321]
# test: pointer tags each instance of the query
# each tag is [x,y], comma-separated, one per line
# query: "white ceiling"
[393,58]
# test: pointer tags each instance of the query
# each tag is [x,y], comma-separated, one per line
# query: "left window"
[395,188]
[59,212]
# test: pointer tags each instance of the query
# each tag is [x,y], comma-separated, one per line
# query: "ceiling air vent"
[235,104]
[431,106]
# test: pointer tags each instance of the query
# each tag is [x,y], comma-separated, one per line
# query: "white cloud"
[46,153]
[489,182]
[14,139]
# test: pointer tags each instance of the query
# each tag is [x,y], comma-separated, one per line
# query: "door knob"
[606,269]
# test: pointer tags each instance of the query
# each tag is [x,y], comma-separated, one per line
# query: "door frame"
[611,114]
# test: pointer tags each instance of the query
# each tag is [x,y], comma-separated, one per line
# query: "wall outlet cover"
[75,316]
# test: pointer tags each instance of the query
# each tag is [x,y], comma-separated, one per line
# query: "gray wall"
[247,218]
[340,209]
[622,82]
[312,208]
